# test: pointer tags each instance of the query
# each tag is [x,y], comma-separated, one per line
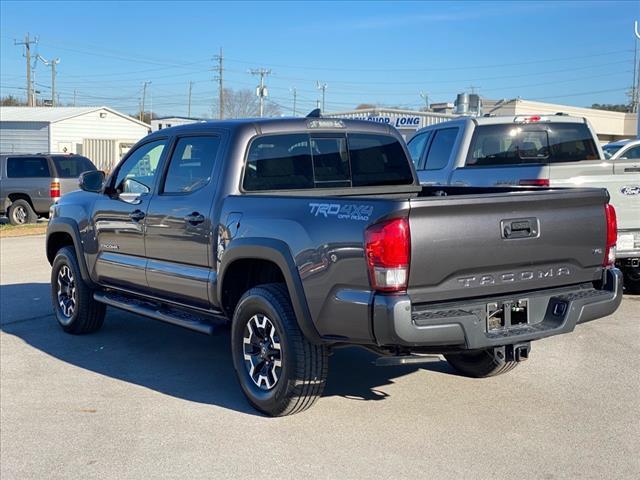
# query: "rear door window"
[416,147]
[28,167]
[441,148]
[72,166]
[542,143]
[191,164]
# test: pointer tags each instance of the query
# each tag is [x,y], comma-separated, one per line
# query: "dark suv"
[30,183]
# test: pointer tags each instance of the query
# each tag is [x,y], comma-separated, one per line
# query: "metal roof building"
[100,133]
[406,121]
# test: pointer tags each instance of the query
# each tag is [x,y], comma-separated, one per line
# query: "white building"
[406,121]
[168,122]
[99,133]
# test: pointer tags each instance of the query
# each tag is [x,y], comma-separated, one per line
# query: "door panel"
[178,237]
[119,219]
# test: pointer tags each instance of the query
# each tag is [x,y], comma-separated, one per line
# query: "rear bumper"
[463,324]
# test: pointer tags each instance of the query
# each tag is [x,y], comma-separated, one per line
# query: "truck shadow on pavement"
[178,362]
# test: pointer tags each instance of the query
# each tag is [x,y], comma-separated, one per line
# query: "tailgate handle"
[520,228]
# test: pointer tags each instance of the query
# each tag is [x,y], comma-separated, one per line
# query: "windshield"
[509,144]
[610,150]
[72,166]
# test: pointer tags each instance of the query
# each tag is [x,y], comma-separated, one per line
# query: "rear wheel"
[479,364]
[279,370]
[21,213]
[73,304]
[632,279]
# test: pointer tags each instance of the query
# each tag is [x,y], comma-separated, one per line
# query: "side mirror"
[92,181]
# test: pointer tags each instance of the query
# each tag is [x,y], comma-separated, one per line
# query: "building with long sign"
[609,126]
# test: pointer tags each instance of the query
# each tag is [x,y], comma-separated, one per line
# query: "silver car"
[30,183]
[537,150]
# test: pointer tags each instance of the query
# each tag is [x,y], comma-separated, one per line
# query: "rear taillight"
[54,190]
[612,235]
[387,247]
[534,182]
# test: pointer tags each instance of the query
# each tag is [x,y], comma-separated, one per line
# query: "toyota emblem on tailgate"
[630,190]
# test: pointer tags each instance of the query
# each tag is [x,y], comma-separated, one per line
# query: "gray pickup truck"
[309,234]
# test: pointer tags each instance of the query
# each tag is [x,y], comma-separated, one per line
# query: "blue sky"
[576,53]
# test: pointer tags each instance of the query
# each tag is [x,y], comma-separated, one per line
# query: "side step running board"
[181,318]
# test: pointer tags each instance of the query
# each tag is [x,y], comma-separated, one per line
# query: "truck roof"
[506,119]
[276,125]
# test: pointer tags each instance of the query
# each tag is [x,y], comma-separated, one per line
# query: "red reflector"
[387,247]
[612,235]
[534,182]
[54,190]
[535,118]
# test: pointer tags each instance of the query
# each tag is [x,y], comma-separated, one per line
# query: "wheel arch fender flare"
[70,227]
[278,252]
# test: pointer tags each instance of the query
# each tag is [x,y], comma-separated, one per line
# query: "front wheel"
[73,304]
[479,364]
[279,370]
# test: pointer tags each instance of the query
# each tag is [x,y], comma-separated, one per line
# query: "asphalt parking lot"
[141,399]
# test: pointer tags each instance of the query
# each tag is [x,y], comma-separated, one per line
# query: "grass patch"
[8,230]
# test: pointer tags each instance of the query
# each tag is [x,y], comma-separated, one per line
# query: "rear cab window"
[311,161]
[28,167]
[540,143]
[71,166]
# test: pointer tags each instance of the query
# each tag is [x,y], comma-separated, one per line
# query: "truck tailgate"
[492,244]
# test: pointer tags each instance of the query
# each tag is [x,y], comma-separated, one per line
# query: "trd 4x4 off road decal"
[347,211]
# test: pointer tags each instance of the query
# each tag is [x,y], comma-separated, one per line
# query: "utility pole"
[144,98]
[261,90]
[52,64]
[189,110]
[74,97]
[295,97]
[220,58]
[323,88]
[425,97]
[634,89]
[27,54]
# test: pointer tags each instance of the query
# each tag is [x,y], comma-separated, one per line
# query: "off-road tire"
[631,279]
[88,315]
[479,364]
[21,213]
[304,369]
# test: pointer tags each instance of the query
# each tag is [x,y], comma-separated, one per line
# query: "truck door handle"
[136,215]
[194,219]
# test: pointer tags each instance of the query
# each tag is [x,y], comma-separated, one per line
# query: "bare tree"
[244,104]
